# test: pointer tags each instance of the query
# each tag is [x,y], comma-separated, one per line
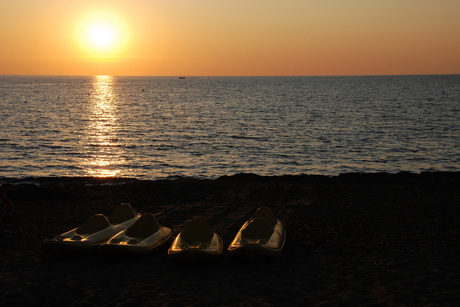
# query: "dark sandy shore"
[374,239]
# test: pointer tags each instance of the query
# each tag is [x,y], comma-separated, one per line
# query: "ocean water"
[166,127]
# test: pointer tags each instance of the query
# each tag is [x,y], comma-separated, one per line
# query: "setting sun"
[102,35]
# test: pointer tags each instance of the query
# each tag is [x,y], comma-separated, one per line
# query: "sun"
[101,35]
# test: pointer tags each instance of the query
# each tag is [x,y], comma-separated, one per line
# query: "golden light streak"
[101,133]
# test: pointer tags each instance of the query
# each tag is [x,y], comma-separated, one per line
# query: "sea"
[207,127]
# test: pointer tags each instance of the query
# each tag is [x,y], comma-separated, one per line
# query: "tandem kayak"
[143,237]
[95,231]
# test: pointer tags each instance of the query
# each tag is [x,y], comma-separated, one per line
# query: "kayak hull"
[95,231]
[196,242]
[262,235]
[143,237]
[209,250]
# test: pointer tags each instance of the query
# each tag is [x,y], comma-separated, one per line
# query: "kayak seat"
[197,231]
[121,214]
[267,214]
[144,227]
[94,224]
[258,228]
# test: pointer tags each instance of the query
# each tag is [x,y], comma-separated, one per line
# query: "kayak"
[144,236]
[197,241]
[96,230]
[261,235]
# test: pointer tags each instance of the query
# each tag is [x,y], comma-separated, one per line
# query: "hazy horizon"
[229,76]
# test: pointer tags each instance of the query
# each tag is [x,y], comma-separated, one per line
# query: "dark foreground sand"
[373,239]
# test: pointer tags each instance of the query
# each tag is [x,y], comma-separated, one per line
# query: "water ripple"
[205,128]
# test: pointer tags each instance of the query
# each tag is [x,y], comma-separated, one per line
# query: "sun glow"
[102,35]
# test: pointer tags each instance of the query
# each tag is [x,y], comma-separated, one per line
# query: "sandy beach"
[356,239]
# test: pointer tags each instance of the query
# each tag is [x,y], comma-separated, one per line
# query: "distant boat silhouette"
[181,77]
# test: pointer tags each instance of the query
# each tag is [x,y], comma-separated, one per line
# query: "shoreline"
[101,179]
[352,239]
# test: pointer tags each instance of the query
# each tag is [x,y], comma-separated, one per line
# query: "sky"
[229,38]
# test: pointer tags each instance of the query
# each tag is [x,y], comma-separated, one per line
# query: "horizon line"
[229,76]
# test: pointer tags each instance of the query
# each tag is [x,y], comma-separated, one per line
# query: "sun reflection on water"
[105,153]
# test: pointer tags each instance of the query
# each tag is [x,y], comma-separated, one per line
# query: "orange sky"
[233,38]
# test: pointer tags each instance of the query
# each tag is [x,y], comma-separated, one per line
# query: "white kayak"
[262,234]
[143,237]
[95,231]
[196,242]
